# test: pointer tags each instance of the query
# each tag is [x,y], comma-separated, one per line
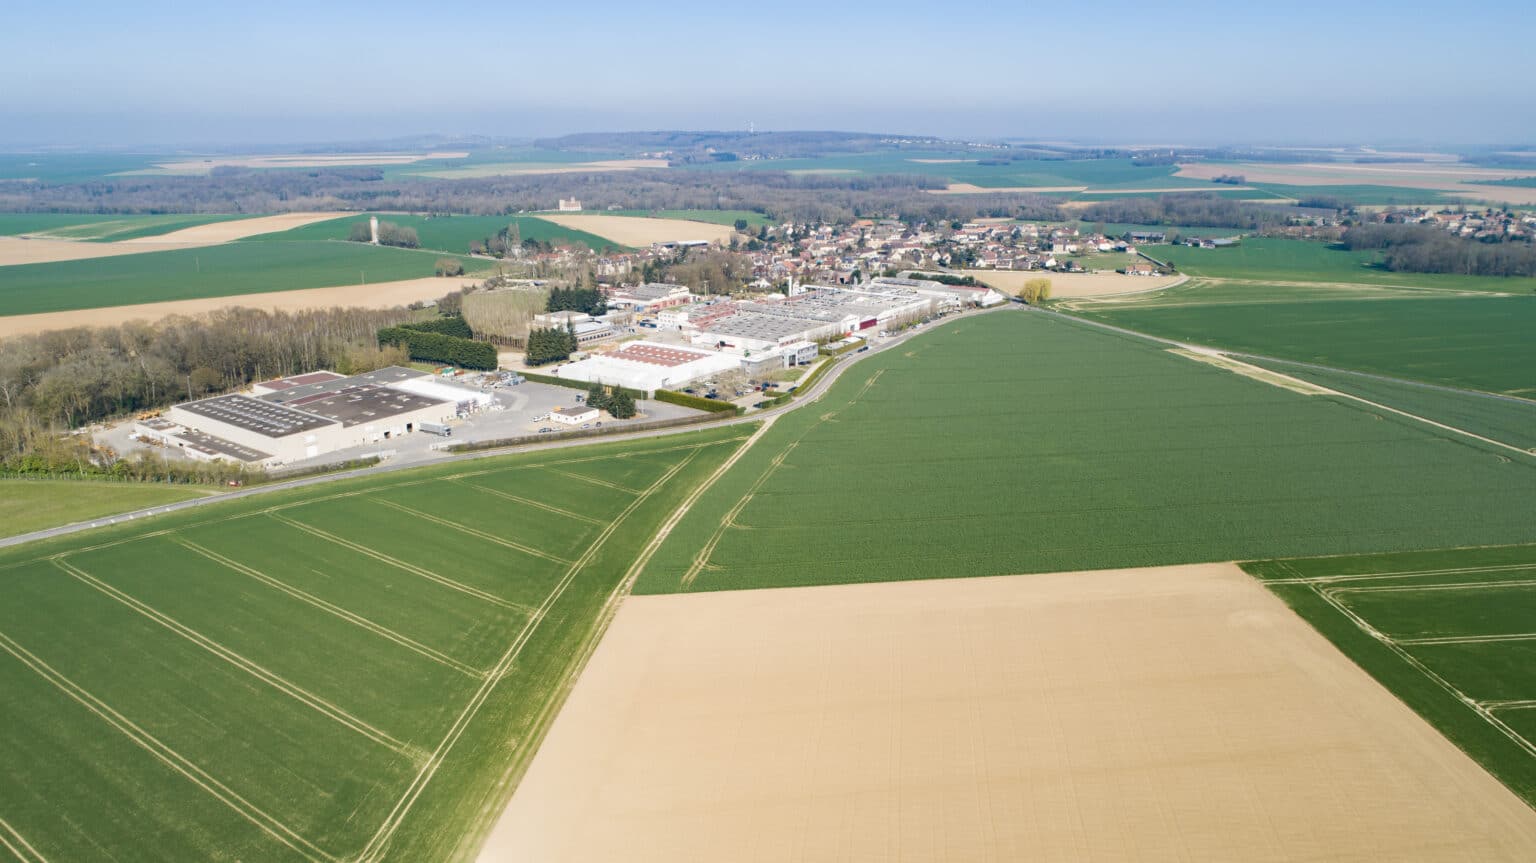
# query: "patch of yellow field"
[640,231]
[1071,285]
[1166,714]
[24,250]
[377,296]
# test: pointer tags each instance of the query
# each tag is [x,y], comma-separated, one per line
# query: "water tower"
[373,229]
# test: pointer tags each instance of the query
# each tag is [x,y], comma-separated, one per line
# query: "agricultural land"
[1177,713]
[28,505]
[355,670]
[1081,449]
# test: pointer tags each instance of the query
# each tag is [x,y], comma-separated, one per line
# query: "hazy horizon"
[185,75]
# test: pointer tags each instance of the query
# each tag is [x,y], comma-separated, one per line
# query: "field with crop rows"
[109,228]
[1015,442]
[1452,632]
[227,270]
[445,233]
[1281,260]
[355,670]
[1481,343]
[33,504]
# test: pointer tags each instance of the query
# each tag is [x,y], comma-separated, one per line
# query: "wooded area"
[1427,249]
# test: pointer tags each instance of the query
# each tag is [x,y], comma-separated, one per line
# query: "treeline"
[54,381]
[1425,249]
[783,196]
[710,271]
[1194,210]
[442,340]
[617,401]
[585,300]
[549,345]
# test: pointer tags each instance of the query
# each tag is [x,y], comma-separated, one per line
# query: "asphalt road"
[816,391]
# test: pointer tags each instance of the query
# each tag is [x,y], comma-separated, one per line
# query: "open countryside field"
[380,295]
[140,239]
[1167,714]
[205,164]
[1068,285]
[226,270]
[448,233]
[512,169]
[101,228]
[966,168]
[718,217]
[1509,419]
[1467,182]
[641,232]
[28,504]
[1281,260]
[1017,442]
[1448,631]
[355,670]
[1479,343]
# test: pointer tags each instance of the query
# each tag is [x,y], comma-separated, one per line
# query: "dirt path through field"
[1175,713]
[379,296]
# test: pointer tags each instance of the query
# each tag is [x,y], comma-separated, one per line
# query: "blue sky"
[282,72]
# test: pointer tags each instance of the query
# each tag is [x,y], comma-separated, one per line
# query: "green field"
[353,670]
[1365,195]
[1016,442]
[445,233]
[1094,173]
[71,167]
[1265,259]
[1448,631]
[101,228]
[27,504]
[227,270]
[1501,418]
[1480,343]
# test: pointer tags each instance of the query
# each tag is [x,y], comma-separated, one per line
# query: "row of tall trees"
[586,300]
[1196,210]
[549,345]
[54,381]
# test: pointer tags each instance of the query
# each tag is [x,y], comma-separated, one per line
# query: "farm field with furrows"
[1480,343]
[356,670]
[445,233]
[101,228]
[1016,442]
[1448,631]
[224,270]
[1285,261]
[31,504]
[1508,419]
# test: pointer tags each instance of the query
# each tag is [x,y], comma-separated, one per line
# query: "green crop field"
[1506,419]
[1094,173]
[1364,195]
[1019,442]
[227,270]
[27,504]
[356,670]
[103,228]
[1448,631]
[1265,259]
[1480,343]
[444,233]
[71,167]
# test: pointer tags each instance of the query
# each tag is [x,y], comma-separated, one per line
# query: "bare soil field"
[639,231]
[378,296]
[20,250]
[1177,713]
[1408,175]
[296,160]
[973,189]
[1072,285]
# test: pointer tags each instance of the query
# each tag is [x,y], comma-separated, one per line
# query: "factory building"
[649,367]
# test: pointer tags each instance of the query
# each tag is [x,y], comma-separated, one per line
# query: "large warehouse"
[649,367]
[302,417]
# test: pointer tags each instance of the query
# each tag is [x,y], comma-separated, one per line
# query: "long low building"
[306,416]
[648,367]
